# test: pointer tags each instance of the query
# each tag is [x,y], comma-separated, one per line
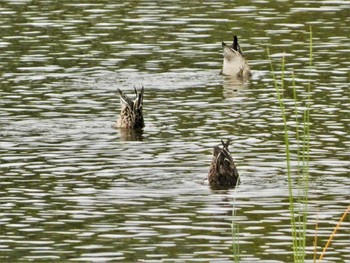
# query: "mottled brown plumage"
[131,115]
[222,172]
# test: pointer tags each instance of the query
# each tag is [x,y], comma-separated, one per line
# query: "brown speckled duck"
[131,116]
[222,172]
[234,62]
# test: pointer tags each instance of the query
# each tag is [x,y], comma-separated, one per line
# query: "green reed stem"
[306,152]
[315,240]
[235,239]
[303,153]
[286,141]
[300,243]
[310,46]
[235,230]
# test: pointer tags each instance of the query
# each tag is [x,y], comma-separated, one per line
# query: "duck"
[222,173]
[131,115]
[234,63]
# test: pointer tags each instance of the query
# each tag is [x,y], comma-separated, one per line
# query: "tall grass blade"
[315,240]
[333,233]
[235,242]
[286,141]
[306,155]
[298,208]
[235,230]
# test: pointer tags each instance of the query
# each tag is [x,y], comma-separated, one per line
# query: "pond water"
[74,189]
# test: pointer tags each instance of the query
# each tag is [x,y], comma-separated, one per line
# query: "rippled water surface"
[75,189]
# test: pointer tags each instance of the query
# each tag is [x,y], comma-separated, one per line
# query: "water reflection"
[233,86]
[73,189]
[130,134]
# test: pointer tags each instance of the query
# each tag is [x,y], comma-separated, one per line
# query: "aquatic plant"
[331,237]
[298,182]
[235,229]
[297,204]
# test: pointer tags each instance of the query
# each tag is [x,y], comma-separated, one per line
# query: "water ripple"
[74,188]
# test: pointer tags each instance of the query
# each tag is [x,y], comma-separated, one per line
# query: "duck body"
[223,173]
[234,62]
[131,115]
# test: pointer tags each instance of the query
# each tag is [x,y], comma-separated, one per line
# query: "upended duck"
[222,172]
[235,63]
[131,116]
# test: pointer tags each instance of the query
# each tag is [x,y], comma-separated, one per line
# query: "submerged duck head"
[234,63]
[131,116]
[222,172]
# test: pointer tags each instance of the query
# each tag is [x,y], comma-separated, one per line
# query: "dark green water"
[74,189]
